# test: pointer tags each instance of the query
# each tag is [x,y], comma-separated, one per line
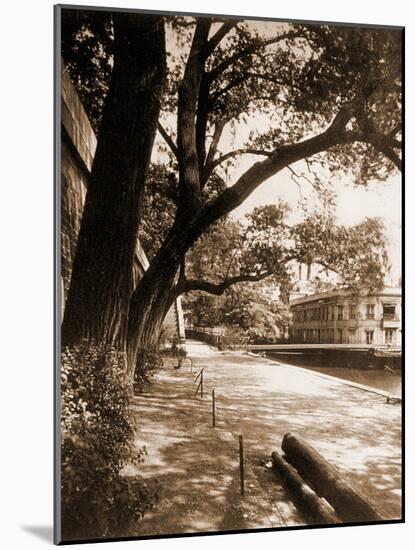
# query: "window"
[389,335]
[340,337]
[340,313]
[389,311]
[369,337]
[351,336]
[370,311]
[352,311]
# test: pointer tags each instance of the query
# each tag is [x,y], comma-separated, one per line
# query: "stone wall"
[78,148]
[77,154]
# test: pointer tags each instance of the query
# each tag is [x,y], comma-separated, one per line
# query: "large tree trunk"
[149,306]
[154,295]
[102,278]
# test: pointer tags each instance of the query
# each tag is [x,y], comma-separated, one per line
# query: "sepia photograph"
[229,312]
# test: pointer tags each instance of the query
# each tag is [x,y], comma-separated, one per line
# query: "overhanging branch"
[251,49]
[218,289]
[168,140]
[276,161]
[218,36]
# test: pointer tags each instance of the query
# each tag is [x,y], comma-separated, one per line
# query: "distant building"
[342,317]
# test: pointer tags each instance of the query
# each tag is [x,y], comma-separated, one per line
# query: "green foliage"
[97,430]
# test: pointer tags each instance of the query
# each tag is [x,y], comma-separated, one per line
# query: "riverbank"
[197,464]
[387,378]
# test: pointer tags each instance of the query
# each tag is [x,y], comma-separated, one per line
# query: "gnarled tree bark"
[102,282]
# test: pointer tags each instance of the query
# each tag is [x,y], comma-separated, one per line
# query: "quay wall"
[78,144]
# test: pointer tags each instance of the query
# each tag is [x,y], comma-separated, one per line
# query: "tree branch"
[383,148]
[252,48]
[202,116]
[187,103]
[217,134]
[168,140]
[218,36]
[385,144]
[276,161]
[232,84]
[218,289]
[205,171]
[182,272]
[394,131]
[209,167]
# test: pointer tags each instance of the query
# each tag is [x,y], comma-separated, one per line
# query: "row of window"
[341,336]
[328,313]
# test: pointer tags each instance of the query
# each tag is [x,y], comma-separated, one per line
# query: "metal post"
[241,464]
[200,385]
[213,409]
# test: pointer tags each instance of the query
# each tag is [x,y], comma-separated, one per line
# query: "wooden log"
[305,498]
[328,482]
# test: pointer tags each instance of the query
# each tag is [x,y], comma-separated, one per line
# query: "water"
[382,379]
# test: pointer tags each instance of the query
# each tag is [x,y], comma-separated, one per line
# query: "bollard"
[213,409]
[241,464]
[200,385]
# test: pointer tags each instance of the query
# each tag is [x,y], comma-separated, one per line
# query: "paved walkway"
[197,464]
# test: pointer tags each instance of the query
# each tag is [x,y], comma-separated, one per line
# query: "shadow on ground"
[43,532]
[197,464]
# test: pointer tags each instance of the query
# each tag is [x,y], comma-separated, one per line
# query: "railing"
[206,335]
[200,385]
[217,338]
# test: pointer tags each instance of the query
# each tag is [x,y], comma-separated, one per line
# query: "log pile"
[318,488]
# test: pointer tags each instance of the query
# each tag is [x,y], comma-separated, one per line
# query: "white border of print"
[26,219]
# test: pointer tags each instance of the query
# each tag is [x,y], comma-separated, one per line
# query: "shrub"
[148,361]
[97,430]
[176,351]
[234,338]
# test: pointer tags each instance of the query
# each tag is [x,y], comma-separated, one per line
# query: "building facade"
[342,317]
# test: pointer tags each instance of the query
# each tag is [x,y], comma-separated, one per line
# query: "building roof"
[343,292]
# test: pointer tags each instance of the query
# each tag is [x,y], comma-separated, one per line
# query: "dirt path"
[197,464]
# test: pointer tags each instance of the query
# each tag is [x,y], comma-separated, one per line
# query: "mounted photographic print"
[228,267]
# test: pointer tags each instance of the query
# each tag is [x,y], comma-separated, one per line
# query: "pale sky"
[353,205]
